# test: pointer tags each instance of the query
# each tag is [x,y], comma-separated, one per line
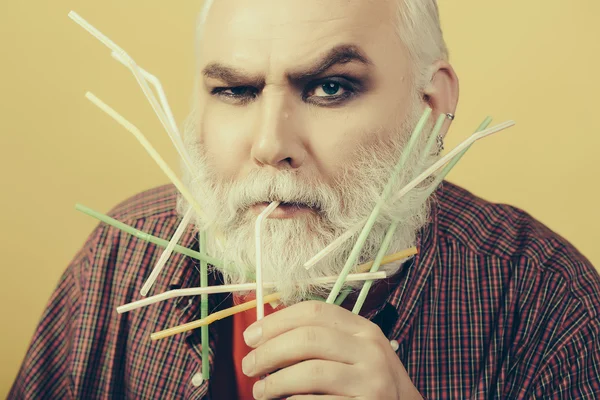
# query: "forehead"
[272,35]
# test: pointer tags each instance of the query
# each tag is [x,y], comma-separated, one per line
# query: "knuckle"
[310,336]
[315,308]
[373,331]
[316,369]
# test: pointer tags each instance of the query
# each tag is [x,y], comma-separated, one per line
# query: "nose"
[277,141]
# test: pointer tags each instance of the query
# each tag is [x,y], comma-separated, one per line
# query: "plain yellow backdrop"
[534,61]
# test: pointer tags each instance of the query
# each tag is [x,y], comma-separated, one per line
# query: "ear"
[441,93]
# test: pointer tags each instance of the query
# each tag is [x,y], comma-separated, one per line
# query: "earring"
[450,116]
[440,144]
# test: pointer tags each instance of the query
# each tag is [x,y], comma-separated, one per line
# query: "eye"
[331,91]
[236,94]
[329,88]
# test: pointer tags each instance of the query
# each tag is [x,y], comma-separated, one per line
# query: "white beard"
[289,243]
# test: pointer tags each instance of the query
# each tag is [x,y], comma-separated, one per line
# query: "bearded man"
[311,103]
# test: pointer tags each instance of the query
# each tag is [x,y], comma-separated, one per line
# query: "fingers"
[304,343]
[308,377]
[314,313]
[317,397]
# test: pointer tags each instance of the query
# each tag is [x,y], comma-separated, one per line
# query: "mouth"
[285,210]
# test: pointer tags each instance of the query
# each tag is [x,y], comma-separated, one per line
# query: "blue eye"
[333,91]
[331,88]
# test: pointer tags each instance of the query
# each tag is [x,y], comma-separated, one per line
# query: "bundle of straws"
[366,272]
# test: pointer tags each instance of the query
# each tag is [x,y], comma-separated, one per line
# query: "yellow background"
[534,61]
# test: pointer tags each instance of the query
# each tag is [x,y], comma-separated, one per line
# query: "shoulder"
[153,211]
[116,256]
[156,203]
[521,244]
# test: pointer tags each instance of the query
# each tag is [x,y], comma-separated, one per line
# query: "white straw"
[167,252]
[96,33]
[236,288]
[123,57]
[258,228]
[159,89]
[333,245]
[411,185]
[164,113]
[149,148]
[448,157]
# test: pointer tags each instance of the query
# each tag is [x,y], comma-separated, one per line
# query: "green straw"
[375,213]
[392,229]
[204,308]
[387,240]
[486,122]
[340,299]
[146,236]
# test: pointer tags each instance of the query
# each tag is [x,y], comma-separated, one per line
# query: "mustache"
[285,186]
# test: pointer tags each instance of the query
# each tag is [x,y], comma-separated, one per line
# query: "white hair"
[419,29]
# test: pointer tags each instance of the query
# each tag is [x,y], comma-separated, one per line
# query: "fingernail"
[259,389]
[252,335]
[248,364]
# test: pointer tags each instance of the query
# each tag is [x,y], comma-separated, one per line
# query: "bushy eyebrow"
[341,54]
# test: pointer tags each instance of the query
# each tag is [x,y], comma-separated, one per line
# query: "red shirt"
[495,305]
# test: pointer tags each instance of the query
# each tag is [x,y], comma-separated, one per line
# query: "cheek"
[225,142]
[334,139]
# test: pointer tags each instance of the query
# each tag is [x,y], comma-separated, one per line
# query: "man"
[311,103]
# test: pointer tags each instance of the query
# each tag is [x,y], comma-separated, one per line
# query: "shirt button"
[395,345]
[197,379]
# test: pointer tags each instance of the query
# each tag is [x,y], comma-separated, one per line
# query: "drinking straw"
[342,296]
[167,252]
[375,213]
[392,229]
[387,240]
[242,307]
[258,230]
[332,246]
[456,159]
[210,319]
[171,294]
[448,157]
[149,148]
[456,152]
[164,102]
[123,57]
[351,232]
[204,307]
[146,236]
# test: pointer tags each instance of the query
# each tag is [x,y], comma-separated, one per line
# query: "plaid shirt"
[494,306]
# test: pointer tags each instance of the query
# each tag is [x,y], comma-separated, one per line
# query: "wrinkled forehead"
[272,36]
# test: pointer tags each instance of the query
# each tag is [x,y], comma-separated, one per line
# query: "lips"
[284,211]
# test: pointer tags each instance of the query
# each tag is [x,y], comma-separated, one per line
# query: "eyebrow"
[341,54]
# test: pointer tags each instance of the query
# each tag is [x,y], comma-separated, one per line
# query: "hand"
[323,351]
